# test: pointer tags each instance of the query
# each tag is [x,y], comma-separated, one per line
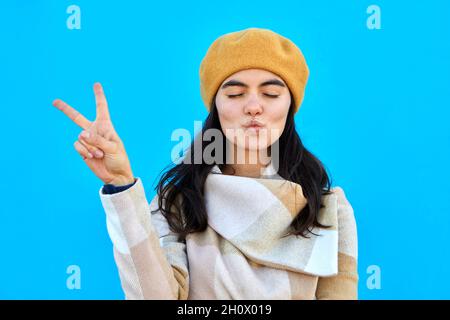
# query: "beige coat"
[241,254]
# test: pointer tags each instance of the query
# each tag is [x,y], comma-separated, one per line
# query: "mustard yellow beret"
[253,48]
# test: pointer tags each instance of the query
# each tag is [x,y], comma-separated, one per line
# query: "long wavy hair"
[180,189]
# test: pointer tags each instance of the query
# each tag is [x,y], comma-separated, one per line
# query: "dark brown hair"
[181,187]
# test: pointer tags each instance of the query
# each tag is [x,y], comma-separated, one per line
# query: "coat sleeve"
[344,285]
[152,263]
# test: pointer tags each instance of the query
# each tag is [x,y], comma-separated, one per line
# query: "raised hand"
[98,143]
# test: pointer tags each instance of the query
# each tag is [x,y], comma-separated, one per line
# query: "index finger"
[73,114]
[100,100]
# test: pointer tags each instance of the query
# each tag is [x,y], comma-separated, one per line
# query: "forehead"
[253,76]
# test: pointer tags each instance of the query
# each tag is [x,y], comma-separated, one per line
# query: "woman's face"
[253,105]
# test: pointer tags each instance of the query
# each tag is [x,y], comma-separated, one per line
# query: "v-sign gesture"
[99,144]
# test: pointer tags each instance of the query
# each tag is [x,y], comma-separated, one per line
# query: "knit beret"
[253,48]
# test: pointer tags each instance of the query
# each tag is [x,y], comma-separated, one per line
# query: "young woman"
[228,226]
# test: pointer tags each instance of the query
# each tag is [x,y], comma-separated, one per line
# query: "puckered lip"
[253,124]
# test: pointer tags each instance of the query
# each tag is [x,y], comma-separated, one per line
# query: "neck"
[250,163]
[244,170]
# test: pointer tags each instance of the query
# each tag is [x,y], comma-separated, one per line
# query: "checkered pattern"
[242,254]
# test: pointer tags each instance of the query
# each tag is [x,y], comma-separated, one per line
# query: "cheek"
[277,116]
[229,115]
[230,118]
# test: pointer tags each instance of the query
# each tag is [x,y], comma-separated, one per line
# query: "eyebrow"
[232,83]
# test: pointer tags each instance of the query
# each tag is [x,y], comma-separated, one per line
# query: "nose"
[253,107]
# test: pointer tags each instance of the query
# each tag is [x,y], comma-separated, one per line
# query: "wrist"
[122,181]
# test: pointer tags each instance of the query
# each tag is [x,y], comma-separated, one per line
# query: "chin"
[255,146]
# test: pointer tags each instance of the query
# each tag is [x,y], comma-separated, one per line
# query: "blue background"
[376,112]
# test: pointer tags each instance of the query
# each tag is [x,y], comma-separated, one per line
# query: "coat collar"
[269,172]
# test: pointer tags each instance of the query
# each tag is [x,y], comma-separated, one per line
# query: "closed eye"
[234,95]
[240,94]
[271,95]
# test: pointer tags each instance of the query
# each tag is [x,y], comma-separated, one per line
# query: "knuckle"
[85,135]
[83,143]
[75,115]
[78,146]
[85,148]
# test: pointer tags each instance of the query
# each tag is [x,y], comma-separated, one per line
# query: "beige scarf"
[242,254]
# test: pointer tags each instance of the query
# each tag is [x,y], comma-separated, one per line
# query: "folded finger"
[96,152]
[94,139]
[82,150]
